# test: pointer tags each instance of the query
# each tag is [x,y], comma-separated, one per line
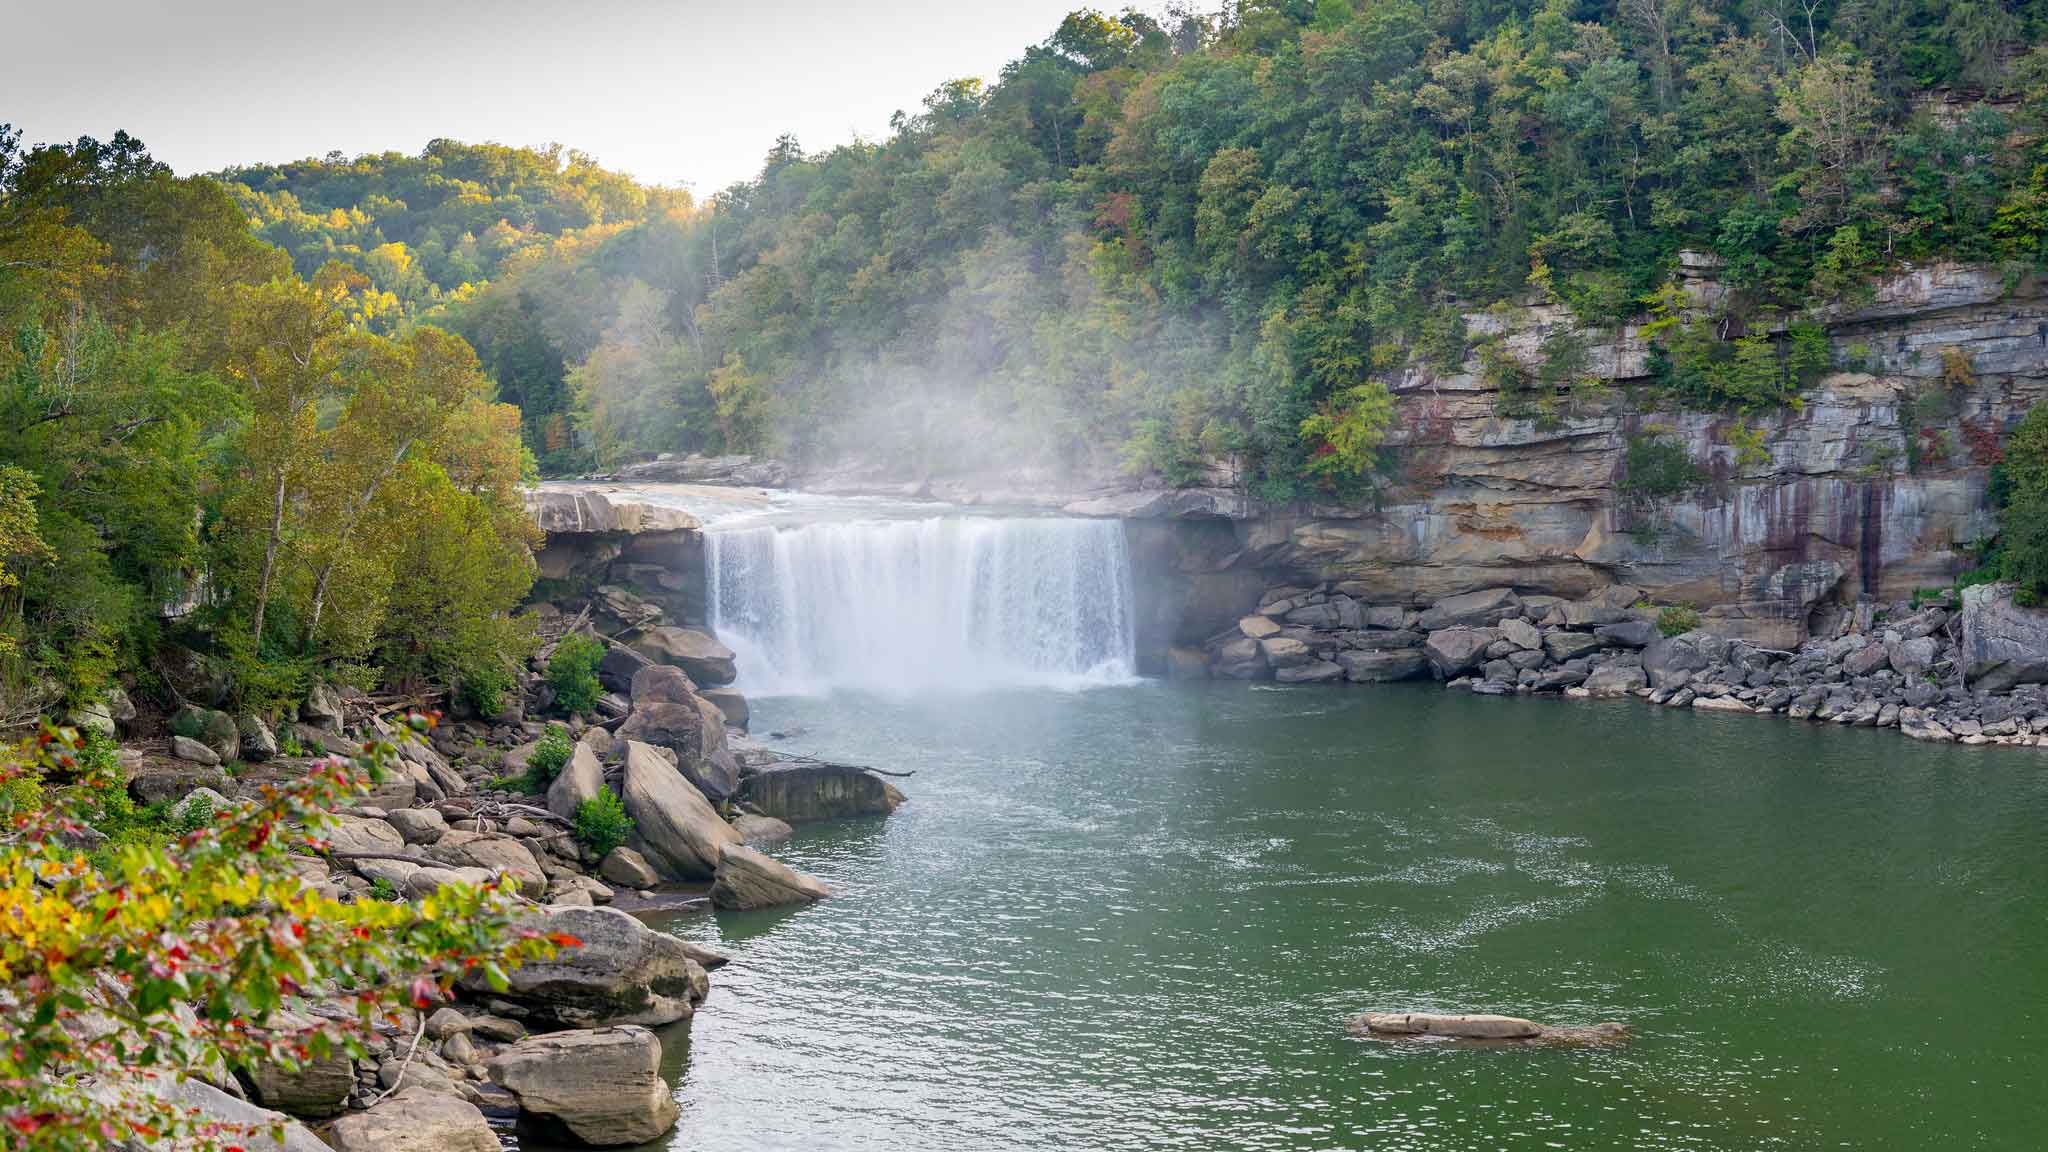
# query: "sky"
[672,91]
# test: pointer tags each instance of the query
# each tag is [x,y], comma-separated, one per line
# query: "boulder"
[2002,645]
[160,782]
[1466,1027]
[1285,652]
[216,730]
[748,879]
[1486,606]
[674,826]
[621,972]
[615,670]
[214,801]
[628,869]
[1452,651]
[1913,658]
[1521,633]
[582,778]
[1239,659]
[415,1120]
[500,855]
[1562,646]
[267,1131]
[1590,613]
[799,793]
[257,742]
[417,825]
[759,830]
[662,684]
[1382,641]
[704,658]
[319,1089]
[1615,680]
[362,834]
[695,731]
[1258,627]
[96,717]
[1670,661]
[1629,633]
[731,703]
[322,708]
[186,748]
[1865,661]
[1725,704]
[605,1086]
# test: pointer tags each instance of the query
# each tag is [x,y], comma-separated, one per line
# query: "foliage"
[172,957]
[211,440]
[1677,620]
[1658,468]
[1749,445]
[602,823]
[1343,432]
[550,752]
[572,672]
[2022,548]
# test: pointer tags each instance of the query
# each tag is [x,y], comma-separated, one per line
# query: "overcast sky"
[672,91]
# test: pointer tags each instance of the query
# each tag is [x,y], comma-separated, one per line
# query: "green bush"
[484,687]
[549,754]
[602,823]
[572,672]
[1658,469]
[1677,620]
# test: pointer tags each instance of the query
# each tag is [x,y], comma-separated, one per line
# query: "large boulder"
[1615,680]
[1913,658]
[415,1120]
[582,778]
[2003,645]
[258,742]
[323,708]
[619,972]
[167,782]
[1670,661]
[1453,651]
[618,666]
[362,834]
[674,826]
[627,868]
[694,730]
[697,653]
[194,751]
[749,879]
[605,1086]
[1562,646]
[1239,659]
[216,730]
[1486,606]
[1285,652]
[661,684]
[317,1090]
[799,793]
[732,704]
[95,717]
[1521,633]
[266,1131]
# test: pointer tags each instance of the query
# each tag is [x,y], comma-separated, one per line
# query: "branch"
[399,1080]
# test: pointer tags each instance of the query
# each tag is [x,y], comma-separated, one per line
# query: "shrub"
[1677,620]
[216,921]
[484,687]
[549,754]
[1659,468]
[572,672]
[602,823]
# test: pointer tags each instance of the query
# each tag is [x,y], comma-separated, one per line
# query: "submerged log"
[1480,1027]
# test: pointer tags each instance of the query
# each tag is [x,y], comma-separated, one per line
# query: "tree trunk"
[355,514]
[270,557]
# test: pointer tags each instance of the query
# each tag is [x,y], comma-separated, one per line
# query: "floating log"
[1480,1027]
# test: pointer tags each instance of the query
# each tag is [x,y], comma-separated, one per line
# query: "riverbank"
[1967,669]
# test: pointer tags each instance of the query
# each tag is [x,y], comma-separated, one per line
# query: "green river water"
[1135,917]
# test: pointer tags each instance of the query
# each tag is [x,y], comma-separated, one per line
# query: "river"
[1134,917]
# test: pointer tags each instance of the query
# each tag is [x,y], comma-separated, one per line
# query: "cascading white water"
[938,604]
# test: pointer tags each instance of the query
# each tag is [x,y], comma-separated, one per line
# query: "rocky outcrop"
[604,1086]
[415,1120]
[675,828]
[749,879]
[741,470]
[621,972]
[2003,645]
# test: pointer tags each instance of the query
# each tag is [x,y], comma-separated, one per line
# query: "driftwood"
[1480,1029]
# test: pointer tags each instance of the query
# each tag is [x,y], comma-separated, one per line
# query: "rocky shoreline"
[570,1047]
[1966,669]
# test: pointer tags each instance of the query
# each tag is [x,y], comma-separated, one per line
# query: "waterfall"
[945,603]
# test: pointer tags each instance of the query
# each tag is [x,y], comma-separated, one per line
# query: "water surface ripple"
[1133,918]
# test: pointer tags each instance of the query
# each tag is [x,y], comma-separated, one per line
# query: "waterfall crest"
[945,604]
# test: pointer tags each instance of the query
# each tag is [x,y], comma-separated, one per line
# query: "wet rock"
[674,826]
[1719,704]
[801,793]
[604,1086]
[622,972]
[748,879]
[1239,659]
[732,703]
[761,830]
[1285,652]
[415,1120]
